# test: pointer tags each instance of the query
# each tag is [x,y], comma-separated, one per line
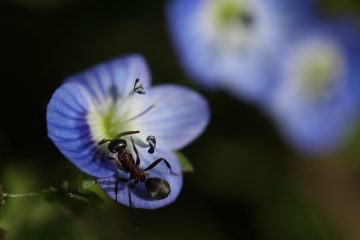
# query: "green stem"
[19,195]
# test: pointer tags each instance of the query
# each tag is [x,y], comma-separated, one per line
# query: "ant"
[157,188]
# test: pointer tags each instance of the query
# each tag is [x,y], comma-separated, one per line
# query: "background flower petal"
[319,124]
[248,71]
[139,197]
[179,115]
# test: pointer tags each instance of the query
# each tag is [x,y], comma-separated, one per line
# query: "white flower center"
[229,22]
[114,116]
[318,66]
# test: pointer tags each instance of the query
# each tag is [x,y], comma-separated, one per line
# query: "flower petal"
[69,107]
[114,78]
[139,195]
[178,115]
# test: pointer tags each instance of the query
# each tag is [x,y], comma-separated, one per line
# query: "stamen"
[122,105]
[138,87]
[126,99]
[152,143]
[139,115]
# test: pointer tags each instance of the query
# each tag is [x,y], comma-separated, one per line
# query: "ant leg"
[109,158]
[136,152]
[124,180]
[119,135]
[130,186]
[103,157]
[116,190]
[151,166]
[117,162]
[138,87]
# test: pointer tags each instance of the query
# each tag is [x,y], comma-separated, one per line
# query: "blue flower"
[106,100]
[317,99]
[234,44]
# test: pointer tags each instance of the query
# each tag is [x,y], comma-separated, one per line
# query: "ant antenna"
[104,141]
[119,135]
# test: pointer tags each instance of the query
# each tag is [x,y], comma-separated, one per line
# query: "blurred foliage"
[185,163]
[74,198]
[348,8]
[245,185]
[87,181]
[289,214]
[23,216]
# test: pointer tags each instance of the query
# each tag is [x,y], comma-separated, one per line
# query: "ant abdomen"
[157,188]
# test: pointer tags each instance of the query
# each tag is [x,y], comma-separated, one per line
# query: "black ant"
[157,188]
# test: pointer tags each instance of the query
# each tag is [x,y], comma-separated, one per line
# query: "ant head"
[117,145]
[157,188]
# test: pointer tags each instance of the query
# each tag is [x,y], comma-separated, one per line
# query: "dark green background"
[247,184]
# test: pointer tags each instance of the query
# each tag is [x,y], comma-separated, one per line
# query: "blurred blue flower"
[317,98]
[234,44]
[101,102]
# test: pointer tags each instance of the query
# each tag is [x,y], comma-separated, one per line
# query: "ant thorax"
[126,160]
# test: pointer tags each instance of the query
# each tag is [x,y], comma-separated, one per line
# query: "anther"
[152,143]
[138,87]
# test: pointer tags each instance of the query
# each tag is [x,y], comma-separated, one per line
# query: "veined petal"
[177,115]
[139,195]
[113,78]
[70,105]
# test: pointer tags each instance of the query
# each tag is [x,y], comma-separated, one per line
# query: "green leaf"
[87,181]
[185,164]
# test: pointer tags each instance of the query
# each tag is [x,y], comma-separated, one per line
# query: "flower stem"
[19,195]
[4,196]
